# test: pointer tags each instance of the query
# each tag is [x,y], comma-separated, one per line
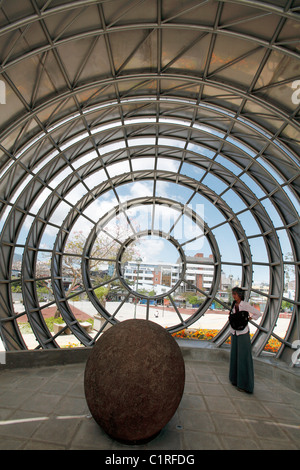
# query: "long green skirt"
[241,371]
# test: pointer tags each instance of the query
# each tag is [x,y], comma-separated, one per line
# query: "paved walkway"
[45,408]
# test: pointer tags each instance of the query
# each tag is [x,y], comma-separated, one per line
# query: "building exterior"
[160,277]
[199,272]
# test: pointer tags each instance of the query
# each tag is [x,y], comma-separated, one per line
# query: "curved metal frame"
[143,234]
[195,117]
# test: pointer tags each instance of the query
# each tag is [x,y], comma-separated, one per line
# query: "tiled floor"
[45,408]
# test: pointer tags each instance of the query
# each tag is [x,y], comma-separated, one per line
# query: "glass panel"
[252,185]
[40,200]
[82,225]
[212,216]
[272,212]
[249,223]
[171,191]
[60,213]
[285,243]
[234,201]
[261,276]
[192,171]
[136,189]
[167,164]
[229,165]
[230,277]
[258,250]
[214,183]
[92,181]
[227,244]
[118,169]
[143,163]
[24,230]
[43,264]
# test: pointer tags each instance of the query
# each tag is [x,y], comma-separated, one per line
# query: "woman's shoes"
[242,390]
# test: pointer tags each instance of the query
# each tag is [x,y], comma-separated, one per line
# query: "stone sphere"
[134,380]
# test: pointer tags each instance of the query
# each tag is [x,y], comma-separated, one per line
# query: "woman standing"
[241,373]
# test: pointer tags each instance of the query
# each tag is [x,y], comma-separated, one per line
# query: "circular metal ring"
[142,234]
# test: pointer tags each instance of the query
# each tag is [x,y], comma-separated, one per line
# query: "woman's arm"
[254,312]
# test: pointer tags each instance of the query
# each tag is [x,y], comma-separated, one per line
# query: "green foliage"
[16,287]
[101,292]
[286,305]
[193,299]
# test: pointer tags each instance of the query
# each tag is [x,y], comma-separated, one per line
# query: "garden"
[272,346]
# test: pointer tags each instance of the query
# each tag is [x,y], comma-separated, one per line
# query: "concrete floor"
[44,408]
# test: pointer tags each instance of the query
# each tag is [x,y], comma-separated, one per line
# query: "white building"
[160,277]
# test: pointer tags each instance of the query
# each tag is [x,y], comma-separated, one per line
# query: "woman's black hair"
[239,292]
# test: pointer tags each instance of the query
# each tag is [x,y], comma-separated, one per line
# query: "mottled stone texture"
[134,380]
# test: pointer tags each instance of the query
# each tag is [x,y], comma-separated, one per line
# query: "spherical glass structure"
[128,129]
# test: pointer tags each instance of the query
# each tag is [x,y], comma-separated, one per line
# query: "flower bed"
[190,333]
[71,345]
[272,345]
[205,334]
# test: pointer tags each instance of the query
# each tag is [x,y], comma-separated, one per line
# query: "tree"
[105,248]
[101,294]
[193,299]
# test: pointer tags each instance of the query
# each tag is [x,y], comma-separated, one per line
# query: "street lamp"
[138,261]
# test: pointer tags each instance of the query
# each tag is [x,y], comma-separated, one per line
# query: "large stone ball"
[134,380]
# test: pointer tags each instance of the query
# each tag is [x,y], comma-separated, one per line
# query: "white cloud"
[151,249]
